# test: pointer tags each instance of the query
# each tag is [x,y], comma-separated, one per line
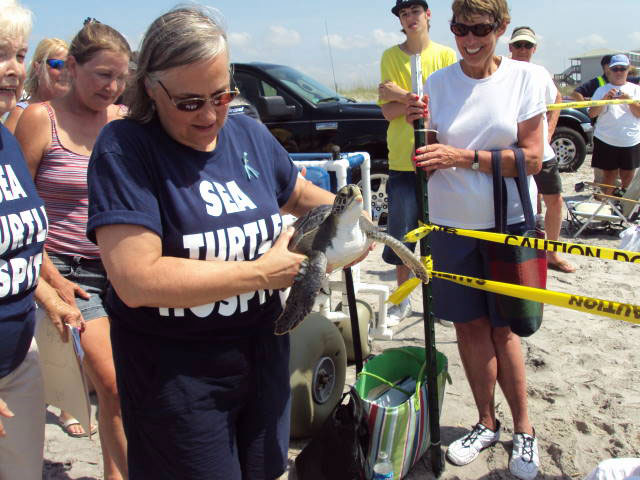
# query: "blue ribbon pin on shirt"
[248,169]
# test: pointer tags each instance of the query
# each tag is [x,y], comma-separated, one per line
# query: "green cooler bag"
[402,430]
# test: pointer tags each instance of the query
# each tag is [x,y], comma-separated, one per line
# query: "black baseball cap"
[407,3]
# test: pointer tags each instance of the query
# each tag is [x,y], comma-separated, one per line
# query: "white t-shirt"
[616,124]
[479,114]
[550,94]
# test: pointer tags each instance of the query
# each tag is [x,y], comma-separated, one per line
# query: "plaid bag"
[511,264]
[403,430]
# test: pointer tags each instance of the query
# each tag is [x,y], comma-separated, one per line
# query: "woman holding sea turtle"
[185,205]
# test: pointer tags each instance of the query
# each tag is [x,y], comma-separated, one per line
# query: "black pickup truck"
[306,116]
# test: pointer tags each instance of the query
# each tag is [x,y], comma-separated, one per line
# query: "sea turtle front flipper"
[303,293]
[408,258]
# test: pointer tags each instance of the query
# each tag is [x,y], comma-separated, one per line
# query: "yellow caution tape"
[403,291]
[607,308]
[589,103]
[531,242]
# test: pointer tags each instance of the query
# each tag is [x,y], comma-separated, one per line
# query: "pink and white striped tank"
[61,181]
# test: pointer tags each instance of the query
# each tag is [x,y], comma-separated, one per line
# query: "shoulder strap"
[52,119]
[523,189]
[499,193]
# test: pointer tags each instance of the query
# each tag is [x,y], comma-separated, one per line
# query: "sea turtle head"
[348,197]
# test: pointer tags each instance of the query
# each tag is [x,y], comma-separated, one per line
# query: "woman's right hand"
[417,108]
[62,314]
[279,265]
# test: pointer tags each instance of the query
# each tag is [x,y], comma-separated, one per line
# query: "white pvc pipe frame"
[340,168]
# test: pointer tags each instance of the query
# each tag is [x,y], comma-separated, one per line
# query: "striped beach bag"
[398,417]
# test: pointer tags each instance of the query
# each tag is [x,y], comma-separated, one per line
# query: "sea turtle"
[332,236]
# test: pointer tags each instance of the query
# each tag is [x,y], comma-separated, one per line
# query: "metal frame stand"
[437,455]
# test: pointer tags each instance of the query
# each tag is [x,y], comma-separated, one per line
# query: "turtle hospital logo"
[234,243]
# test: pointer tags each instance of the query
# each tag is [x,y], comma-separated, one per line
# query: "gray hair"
[183,36]
[15,20]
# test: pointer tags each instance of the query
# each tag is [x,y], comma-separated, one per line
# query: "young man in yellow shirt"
[393,92]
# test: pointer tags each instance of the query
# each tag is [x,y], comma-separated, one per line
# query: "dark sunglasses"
[519,45]
[479,29]
[55,63]
[618,69]
[196,103]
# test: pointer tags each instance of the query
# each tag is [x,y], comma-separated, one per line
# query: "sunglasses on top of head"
[618,69]
[479,29]
[196,103]
[519,45]
[55,63]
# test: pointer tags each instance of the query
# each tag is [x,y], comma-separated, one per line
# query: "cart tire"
[365,319]
[318,367]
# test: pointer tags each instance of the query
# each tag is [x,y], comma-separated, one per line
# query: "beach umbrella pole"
[437,456]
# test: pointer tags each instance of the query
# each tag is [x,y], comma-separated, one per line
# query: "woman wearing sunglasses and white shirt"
[46,78]
[186,207]
[616,139]
[57,138]
[481,104]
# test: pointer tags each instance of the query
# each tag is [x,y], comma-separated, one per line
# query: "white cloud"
[386,39]
[239,39]
[339,42]
[283,37]
[593,40]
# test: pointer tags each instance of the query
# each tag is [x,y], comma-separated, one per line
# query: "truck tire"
[379,198]
[570,149]
[318,368]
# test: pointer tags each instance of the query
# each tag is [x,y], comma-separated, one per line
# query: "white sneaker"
[397,313]
[466,449]
[524,461]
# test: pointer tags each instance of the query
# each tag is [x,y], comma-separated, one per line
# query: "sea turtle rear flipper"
[408,258]
[303,293]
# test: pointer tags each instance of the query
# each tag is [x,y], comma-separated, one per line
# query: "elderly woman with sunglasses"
[616,139]
[23,228]
[57,138]
[483,103]
[46,78]
[186,207]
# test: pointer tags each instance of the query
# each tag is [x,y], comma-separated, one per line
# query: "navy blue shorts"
[203,410]
[464,256]
[403,211]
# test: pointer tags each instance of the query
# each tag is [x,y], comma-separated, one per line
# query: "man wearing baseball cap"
[393,92]
[522,46]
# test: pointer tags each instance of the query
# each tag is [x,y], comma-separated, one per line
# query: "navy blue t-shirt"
[203,205]
[23,229]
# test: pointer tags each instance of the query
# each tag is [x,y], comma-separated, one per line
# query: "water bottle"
[383,469]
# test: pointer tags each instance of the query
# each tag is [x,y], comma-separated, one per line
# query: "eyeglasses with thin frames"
[618,69]
[479,29]
[55,63]
[196,103]
[519,45]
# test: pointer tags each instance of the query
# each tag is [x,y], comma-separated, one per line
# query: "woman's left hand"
[437,157]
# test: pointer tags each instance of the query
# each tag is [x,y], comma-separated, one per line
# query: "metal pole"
[437,455]
[353,316]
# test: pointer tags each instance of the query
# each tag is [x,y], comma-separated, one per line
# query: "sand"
[582,369]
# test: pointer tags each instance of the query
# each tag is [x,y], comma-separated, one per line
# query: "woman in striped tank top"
[57,138]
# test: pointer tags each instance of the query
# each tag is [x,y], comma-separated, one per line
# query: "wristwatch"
[476,161]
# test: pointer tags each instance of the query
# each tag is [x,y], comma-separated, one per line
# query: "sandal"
[73,421]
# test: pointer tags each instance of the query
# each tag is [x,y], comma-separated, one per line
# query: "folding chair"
[601,210]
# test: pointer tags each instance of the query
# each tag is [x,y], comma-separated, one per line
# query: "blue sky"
[293,32]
